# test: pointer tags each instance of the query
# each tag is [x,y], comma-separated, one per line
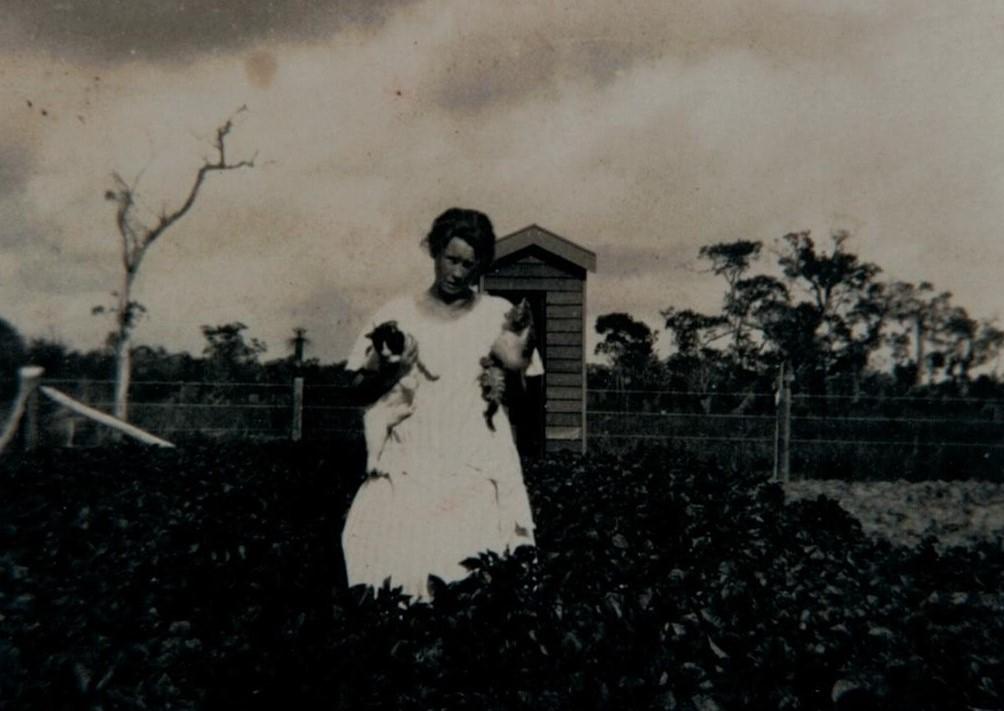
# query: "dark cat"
[388,344]
[387,341]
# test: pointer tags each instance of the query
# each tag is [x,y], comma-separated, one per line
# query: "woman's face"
[456,267]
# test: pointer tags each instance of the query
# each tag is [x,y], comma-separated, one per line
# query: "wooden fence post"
[297,433]
[782,429]
[27,380]
[777,423]
[31,422]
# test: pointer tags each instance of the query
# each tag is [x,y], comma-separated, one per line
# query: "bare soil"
[956,513]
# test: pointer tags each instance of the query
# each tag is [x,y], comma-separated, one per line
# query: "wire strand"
[688,438]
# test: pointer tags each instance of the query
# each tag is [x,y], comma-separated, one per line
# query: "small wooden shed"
[550,272]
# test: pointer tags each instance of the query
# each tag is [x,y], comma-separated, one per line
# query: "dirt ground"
[905,512]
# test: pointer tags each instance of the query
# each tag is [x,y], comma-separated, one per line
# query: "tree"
[694,332]
[228,357]
[158,364]
[935,334]
[627,342]
[732,260]
[845,310]
[755,303]
[695,359]
[51,355]
[921,315]
[748,300]
[137,237]
[12,357]
[969,344]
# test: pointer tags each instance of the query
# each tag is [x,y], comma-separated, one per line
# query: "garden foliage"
[211,577]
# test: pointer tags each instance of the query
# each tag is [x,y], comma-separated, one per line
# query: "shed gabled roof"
[536,236]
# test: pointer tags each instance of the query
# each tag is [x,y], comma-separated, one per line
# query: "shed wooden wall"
[563,287]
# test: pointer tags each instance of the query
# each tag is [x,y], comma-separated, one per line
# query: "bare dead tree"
[137,237]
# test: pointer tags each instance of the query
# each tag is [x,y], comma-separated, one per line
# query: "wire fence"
[181,410]
[866,436]
[931,436]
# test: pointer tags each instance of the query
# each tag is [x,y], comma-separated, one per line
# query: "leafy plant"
[211,577]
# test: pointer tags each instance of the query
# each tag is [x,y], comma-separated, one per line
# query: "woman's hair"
[471,226]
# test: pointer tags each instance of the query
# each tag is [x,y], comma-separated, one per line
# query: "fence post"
[782,429]
[27,380]
[777,423]
[297,433]
[31,422]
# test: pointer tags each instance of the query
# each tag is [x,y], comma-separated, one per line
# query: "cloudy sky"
[640,129]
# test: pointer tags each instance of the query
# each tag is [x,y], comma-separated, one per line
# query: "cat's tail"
[490,413]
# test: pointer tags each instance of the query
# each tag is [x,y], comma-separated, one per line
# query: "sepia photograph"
[541,355]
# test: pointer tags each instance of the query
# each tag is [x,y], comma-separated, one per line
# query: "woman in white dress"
[445,482]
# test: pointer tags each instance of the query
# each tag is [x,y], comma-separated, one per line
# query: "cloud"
[508,52]
[640,130]
[126,30]
[15,167]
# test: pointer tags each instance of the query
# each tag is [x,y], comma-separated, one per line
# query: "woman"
[445,481]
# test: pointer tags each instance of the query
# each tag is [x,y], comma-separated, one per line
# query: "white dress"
[449,486]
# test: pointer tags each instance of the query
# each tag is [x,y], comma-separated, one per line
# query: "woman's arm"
[368,386]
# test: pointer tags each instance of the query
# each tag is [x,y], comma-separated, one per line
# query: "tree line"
[828,316]
[824,314]
[229,355]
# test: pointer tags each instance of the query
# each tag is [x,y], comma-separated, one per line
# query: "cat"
[494,378]
[387,347]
